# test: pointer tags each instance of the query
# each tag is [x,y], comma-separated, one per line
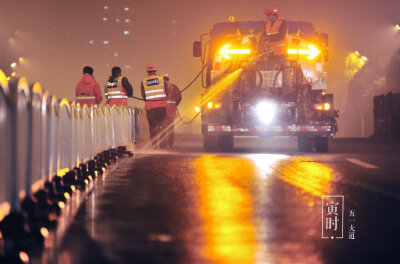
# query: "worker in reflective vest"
[117,88]
[173,100]
[276,31]
[87,90]
[155,90]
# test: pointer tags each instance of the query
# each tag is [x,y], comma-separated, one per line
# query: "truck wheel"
[305,143]
[210,143]
[225,142]
[321,144]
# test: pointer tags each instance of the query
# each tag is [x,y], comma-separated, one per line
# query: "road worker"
[117,88]
[173,100]
[276,31]
[276,36]
[87,90]
[155,90]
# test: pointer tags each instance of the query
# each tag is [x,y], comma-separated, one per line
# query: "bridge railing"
[42,137]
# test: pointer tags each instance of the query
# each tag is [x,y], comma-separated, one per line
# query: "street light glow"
[13,65]
[354,62]
[398,27]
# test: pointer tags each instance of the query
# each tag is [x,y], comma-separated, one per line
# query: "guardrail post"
[28,169]
[13,141]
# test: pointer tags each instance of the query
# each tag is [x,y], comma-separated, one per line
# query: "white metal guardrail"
[42,137]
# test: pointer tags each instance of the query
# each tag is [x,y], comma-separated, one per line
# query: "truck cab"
[249,93]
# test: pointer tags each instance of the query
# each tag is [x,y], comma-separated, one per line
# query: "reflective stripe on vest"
[154,87]
[117,96]
[154,91]
[155,96]
[85,97]
[278,46]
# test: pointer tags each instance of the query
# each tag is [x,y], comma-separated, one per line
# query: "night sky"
[58,38]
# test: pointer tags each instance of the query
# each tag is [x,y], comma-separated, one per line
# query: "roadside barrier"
[50,149]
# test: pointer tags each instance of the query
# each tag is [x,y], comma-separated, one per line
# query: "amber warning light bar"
[225,51]
[312,52]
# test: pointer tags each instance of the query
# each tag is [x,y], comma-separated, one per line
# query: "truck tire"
[305,143]
[321,144]
[225,142]
[210,143]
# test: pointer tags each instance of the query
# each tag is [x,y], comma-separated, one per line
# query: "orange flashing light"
[225,51]
[322,107]
[214,105]
[312,52]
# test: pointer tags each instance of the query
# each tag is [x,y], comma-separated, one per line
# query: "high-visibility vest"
[279,47]
[154,89]
[115,92]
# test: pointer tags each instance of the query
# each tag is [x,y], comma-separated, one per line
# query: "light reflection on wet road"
[226,208]
[231,208]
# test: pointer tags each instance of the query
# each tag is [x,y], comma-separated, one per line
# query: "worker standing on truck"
[173,101]
[155,91]
[276,34]
[87,90]
[117,88]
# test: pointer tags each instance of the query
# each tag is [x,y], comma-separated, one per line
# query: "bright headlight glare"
[265,111]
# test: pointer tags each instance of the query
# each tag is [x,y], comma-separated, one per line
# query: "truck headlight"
[266,111]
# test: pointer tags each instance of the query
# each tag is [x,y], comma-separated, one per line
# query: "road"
[260,204]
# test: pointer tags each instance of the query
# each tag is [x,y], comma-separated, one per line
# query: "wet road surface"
[258,205]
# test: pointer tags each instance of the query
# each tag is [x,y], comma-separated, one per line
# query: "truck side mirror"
[324,39]
[197,49]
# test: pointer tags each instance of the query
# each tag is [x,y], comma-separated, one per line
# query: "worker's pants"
[156,118]
[169,125]
[281,64]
